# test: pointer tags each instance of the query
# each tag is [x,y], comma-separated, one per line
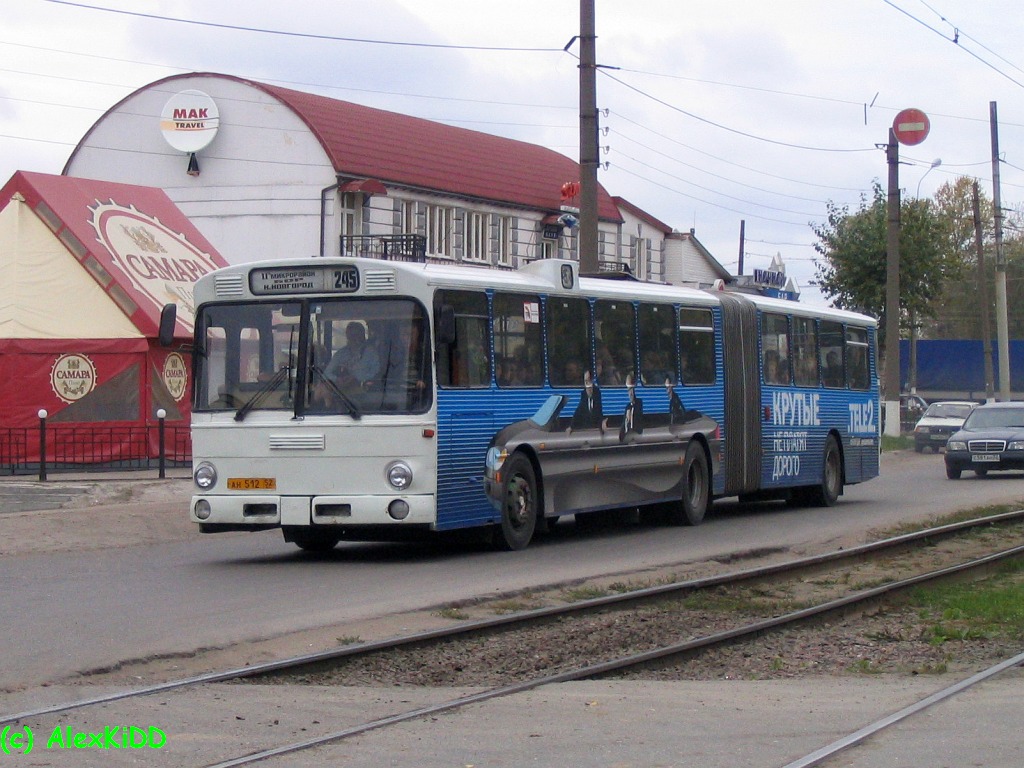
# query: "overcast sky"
[717,112]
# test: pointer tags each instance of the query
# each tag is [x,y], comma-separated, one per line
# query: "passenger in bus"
[773,370]
[607,374]
[589,413]
[633,415]
[356,365]
[833,370]
[570,374]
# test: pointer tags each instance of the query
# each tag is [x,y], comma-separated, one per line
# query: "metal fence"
[390,247]
[96,448]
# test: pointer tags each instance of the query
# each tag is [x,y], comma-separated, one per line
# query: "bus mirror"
[168,319]
[444,324]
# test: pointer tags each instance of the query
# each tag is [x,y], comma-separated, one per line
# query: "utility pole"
[983,298]
[588,139]
[1002,329]
[891,385]
[743,229]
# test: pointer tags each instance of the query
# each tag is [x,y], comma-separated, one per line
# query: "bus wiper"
[333,388]
[268,386]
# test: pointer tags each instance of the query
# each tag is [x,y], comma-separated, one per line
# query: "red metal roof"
[363,141]
[368,143]
[149,254]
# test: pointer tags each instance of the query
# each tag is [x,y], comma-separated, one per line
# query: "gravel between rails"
[892,638]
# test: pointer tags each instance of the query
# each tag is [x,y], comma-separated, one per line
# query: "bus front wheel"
[690,509]
[520,505]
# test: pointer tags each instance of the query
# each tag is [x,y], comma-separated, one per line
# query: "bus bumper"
[260,512]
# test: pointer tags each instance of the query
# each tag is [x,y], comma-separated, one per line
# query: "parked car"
[991,438]
[939,421]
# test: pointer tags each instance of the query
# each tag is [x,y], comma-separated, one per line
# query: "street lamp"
[935,164]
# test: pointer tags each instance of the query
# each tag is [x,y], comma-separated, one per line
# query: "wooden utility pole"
[1002,329]
[983,299]
[589,159]
[891,384]
[743,230]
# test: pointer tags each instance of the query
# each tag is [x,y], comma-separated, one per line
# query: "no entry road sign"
[911,127]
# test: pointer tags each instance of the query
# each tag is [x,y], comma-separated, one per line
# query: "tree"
[958,314]
[852,271]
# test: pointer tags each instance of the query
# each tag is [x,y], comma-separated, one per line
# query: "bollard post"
[42,444]
[161,414]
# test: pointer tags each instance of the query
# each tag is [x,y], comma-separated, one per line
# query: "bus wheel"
[827,493]
[520,508]
[690,509]
[316,543]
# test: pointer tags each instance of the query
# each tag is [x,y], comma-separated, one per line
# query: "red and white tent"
[85,269]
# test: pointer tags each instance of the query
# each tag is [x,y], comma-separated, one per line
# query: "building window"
[476,237]
[504,231]
[350,209]
[440,227]
[407,218]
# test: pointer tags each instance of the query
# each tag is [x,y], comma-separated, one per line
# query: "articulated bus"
[359,399]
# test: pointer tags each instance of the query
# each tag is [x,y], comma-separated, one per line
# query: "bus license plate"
[252,483]
[985,457]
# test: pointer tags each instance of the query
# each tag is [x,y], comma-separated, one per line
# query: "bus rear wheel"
[831,488]
[520,505]
[693,504]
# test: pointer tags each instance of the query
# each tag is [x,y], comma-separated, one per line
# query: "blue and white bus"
[347,398]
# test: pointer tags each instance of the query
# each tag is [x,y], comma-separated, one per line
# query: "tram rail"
[853,601]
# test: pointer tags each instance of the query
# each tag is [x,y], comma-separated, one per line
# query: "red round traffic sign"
[911,127]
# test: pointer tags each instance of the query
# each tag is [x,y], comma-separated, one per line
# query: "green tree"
[958,313]
[852,270]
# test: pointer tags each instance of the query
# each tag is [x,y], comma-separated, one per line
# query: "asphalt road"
[68,612]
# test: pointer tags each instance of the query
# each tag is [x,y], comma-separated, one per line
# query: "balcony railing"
[388,247]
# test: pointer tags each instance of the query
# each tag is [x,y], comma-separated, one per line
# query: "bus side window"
[775,349]
[697,346]
[615,329]
[857,357]
[805,352]
[517,340]
[657,344]
[830,354]
[465,362]
[568,339]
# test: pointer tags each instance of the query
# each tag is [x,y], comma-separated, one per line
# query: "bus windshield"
[318,357]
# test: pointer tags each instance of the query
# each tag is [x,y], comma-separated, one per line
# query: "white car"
[939,421]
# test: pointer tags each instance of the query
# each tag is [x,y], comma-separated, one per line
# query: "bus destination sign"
[290,280]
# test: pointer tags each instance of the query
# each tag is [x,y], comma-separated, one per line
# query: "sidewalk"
[85,511]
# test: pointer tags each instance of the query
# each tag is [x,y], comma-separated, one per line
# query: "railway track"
[473,631]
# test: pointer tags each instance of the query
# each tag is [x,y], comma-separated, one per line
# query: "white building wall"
[257,195]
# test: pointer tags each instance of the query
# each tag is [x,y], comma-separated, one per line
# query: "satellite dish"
[189,121]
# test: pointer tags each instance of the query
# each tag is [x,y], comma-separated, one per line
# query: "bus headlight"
[203,509]
[205,476]
[399,475]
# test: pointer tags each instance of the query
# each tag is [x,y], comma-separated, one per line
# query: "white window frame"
[477,237]
[440,230]
[504,228]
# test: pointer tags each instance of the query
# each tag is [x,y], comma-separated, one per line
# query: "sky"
[711,113]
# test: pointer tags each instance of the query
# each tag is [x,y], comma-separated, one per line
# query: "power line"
[720,126]
[305,35]
[955,41]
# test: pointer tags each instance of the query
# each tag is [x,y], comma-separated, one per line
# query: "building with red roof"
[270,172]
